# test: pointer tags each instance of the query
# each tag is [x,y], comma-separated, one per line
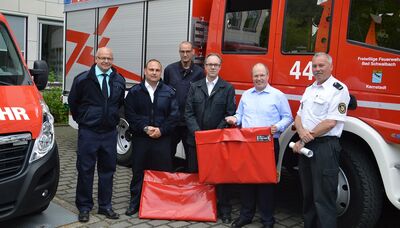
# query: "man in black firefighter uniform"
[152,112]
[94,100]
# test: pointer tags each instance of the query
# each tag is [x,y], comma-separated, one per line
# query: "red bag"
[236,155]
[177,196]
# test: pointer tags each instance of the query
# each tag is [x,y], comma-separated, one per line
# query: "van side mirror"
[40,73]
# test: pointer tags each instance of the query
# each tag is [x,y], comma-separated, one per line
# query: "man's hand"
[274,129]
[154,132]
[306,135]
[297,146]
[231,120]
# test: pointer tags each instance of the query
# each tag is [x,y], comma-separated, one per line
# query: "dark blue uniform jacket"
[141,112]
[88,106]
[180,79]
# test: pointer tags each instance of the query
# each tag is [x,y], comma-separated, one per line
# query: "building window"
[51,48]
[375,23]
[18,25]
[246,27]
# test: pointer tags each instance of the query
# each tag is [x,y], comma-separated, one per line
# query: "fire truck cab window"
[246,28]
[306,26]
[375,23]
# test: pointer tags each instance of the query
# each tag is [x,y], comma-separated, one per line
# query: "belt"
[324,139]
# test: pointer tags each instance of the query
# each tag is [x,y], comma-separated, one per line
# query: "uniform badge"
[342,108]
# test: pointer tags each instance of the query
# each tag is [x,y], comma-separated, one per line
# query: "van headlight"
[45,141]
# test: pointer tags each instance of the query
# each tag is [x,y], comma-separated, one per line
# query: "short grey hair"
[324,54]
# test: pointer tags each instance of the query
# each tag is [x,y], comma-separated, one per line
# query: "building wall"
[34,11]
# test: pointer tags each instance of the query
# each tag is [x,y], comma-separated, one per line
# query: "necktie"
[104,88]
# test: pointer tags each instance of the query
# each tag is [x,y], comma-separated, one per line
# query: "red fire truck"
[362,36]
[29,163]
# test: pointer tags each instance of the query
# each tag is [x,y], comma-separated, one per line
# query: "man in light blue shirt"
[261,106]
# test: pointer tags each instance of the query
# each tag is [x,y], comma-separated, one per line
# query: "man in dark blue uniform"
[180,75]
[94,100]
[152,112]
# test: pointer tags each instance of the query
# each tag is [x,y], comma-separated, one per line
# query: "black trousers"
[92,147]
[262,195]
[180,133]
[319,180]
[148,153]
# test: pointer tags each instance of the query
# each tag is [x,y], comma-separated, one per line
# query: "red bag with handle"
[177,196]
[236,155]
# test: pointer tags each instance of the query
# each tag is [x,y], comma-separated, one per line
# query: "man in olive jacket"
[209,101]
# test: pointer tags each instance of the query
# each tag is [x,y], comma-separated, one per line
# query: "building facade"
[38,27]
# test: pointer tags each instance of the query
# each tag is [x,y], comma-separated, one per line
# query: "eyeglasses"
[213,65]
[104,58]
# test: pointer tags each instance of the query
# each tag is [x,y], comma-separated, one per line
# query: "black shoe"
[131,210]
[226,219]
[83,216]
[268,226]
[109,213]
[239,222]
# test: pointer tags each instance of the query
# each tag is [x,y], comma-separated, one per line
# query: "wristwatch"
[146,129]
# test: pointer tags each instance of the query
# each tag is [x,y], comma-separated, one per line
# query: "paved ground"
[288,211]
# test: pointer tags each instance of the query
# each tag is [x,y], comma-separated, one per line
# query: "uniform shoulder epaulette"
[338,86]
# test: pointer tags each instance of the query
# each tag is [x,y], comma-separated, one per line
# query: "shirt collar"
[213,82]
[327,83]
[267,89]
[99,72]
[148,86]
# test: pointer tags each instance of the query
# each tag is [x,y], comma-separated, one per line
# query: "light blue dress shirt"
[100,77]
[264,109]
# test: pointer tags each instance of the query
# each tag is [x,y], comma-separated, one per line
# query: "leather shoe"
[226,219]
[131,210]
[83,216]
[239,222]
[268,226]
[109,213]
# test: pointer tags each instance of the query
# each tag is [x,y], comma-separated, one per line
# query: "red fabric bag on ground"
[236,155]
[177,196]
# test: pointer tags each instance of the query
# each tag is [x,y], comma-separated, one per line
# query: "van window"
[11,68]
[246,28]
[306,26]
[375,23]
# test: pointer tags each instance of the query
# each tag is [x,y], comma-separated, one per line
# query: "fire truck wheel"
[124,144]
[360,194]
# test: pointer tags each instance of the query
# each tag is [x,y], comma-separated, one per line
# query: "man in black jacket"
[180,75]
[152,112]
[94,100]
[209,101]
